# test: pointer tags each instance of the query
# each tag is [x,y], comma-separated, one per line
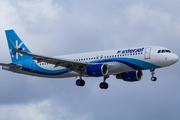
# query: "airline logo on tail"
[19,48]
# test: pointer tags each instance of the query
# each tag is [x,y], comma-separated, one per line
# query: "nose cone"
[175,58]
[171,59]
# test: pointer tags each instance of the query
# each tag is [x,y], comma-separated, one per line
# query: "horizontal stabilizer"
[10,65]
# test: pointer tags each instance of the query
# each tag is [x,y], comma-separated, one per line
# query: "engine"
[97,70]
[130,76]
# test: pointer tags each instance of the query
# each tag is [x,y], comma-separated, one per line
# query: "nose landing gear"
[153,78]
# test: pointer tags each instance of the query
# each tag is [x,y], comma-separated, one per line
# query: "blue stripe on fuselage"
[60,72]
[31,66]
[133,63]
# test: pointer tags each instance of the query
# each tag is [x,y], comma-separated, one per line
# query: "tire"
[103,85]
[153,78]
[80,82]
[106,86]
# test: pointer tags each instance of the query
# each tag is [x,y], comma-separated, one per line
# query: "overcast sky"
[57,27]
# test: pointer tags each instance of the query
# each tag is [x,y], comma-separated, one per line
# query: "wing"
[69,64]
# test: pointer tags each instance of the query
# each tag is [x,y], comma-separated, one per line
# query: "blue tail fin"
[14,41]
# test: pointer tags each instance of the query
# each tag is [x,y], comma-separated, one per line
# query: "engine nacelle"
[130,76]
[97,70]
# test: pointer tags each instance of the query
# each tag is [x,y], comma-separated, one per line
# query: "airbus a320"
[126,64]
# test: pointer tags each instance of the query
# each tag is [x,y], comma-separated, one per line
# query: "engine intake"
[130,76]
[97,70]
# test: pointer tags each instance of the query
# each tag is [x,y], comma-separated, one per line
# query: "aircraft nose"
[175,58]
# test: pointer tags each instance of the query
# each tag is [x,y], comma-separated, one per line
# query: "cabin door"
[147,54]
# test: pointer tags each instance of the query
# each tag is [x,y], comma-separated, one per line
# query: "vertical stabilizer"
[14,42]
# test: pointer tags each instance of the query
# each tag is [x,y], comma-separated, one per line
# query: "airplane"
[126,64]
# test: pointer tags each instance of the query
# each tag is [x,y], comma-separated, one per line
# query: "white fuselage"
[118,61]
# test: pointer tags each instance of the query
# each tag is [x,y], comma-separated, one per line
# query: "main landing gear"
[153,78]
[80,82]
[104,85]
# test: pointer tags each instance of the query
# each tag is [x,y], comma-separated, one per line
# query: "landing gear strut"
[153,78]
[104,85]
[80,82]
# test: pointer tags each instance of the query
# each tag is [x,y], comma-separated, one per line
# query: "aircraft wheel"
[103,85]
[80,82]
[153,78]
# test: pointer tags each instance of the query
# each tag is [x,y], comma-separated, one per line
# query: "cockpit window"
[159,51]
[168,51]
[164,51]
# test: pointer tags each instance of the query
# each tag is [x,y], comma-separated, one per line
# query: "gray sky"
[57,27]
